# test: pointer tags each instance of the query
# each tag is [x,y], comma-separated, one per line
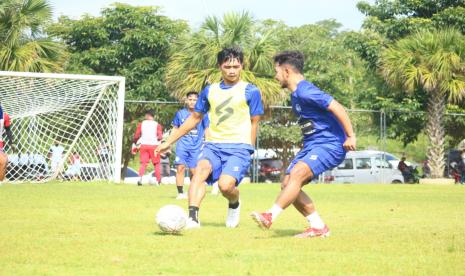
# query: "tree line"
[409,55]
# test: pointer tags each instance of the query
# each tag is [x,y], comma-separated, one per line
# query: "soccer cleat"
[139,183]
[313,232]
[264,220]
[192,224]
[181,196]
[234,216]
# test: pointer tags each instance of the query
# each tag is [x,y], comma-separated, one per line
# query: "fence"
[279,138]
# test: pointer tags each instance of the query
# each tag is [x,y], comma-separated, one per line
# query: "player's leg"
[180,175]
[304,167]
[180,162]
[197,192]
[303,202]
[157,172]
[3,165]
[235,168]
[144,161]
[155,158]
[208,169]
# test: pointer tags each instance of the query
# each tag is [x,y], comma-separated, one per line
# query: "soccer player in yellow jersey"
[234,108]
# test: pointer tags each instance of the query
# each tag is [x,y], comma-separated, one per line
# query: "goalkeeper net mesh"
[63,126]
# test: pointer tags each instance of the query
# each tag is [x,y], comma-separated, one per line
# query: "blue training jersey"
[253,99]
[319,126]
[193,139]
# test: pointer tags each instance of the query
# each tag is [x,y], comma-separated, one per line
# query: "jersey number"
[223,111]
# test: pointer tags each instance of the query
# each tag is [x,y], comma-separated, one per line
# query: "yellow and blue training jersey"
[229,109]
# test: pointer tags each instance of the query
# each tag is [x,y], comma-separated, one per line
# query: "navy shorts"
[319,158]
[234,162]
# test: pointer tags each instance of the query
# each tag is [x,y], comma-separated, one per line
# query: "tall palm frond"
[193,63]
[22,47]
[435,63]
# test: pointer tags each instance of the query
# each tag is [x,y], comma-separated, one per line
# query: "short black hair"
[192,93]
[293,58]
[150,112]
[230,53]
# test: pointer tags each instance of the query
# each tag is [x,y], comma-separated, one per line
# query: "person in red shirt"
[5,124]
[148,136]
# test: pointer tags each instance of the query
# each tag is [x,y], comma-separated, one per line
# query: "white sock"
[275,210]
[315,221]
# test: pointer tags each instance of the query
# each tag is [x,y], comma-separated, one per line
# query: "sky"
[292,12]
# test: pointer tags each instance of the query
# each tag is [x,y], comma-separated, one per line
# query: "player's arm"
[254,120]
[138,133]
[341,115]
[177,133]
[254,100]
[159,132]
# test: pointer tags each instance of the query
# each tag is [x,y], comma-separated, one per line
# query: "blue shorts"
[186,157]
[319,158]
[234,162]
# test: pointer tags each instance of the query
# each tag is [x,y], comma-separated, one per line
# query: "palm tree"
[432,62]
[193,62]
[22,47]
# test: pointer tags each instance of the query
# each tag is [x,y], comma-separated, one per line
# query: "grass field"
[108,229]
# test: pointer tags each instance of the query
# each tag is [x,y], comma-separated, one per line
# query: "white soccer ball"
[171,219]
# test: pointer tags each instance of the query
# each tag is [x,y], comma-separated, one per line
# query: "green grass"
[107,229]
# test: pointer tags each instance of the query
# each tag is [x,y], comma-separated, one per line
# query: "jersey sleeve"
[138,132]
[202,105]
[205,121]
[176,120]
[316,97]
[6,120]
[254,100]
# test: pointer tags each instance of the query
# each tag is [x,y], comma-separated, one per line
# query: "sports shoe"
[191,224]
[264,220]
[181,196]
[139,183]
[234,216]
[313,232]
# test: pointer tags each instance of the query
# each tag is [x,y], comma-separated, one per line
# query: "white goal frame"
[116,144]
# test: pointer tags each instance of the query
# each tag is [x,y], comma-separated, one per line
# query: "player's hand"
[350,143]
[162,148]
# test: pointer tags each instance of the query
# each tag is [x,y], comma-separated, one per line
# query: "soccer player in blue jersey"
[327,135]
[234,108]
[188,146]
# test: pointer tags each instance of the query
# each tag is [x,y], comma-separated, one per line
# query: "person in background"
[74,170]
[165,164]
[5,127]
[148,135]
[55,154]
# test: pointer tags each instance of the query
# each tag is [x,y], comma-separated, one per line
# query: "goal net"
[64,126]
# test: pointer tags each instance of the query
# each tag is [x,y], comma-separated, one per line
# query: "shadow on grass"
[278,233]
[214,224]
[289,233]
[160,233]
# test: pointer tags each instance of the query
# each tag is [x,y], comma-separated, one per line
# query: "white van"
[363,167]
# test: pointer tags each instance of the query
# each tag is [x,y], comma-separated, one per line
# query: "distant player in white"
[56,155]
[148,135]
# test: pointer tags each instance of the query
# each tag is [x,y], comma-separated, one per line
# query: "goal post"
[64,126]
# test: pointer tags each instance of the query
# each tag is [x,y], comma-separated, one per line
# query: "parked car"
[394,160]
[270,170]
[364,167]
